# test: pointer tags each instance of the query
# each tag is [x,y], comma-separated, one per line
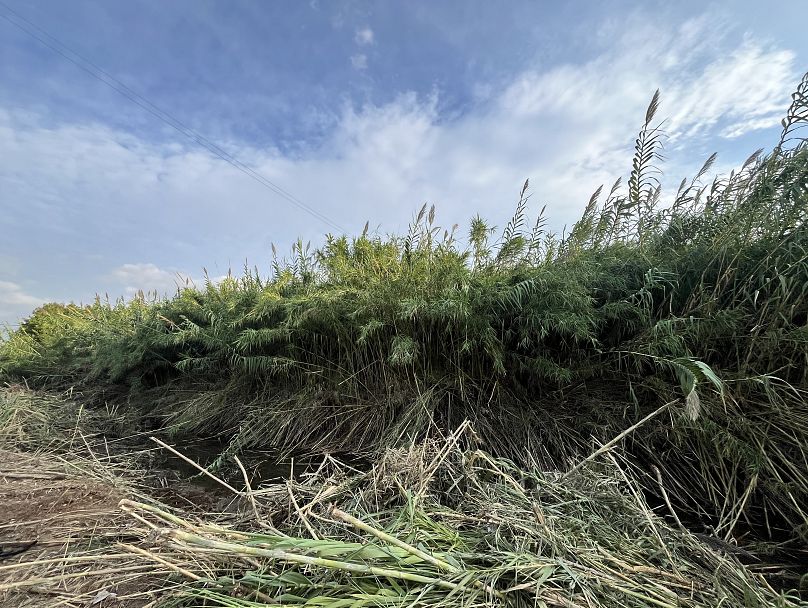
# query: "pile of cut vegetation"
[444,525]
[441,523]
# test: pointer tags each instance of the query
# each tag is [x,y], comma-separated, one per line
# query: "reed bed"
[551,343]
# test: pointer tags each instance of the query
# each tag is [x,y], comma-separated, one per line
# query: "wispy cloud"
[742,88]
[12,294]
[15,302]
[148,278]
[748,89]
[364,36]
[359,61]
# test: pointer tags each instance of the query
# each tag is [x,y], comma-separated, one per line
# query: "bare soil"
[64,515]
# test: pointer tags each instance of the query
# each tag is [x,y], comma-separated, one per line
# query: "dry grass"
[445,524]
[61,528]
[438,524]
[69,507]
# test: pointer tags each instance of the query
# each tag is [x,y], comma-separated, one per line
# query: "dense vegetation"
[438,526]
[697,300]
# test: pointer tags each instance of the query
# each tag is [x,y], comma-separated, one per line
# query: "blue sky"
[363,110]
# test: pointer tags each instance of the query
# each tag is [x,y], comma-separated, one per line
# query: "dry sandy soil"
[71,517]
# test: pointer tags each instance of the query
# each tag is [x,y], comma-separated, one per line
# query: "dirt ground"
[55,522]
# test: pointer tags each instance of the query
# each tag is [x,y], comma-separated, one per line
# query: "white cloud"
[359,61]
[364,36]
[12,294]
[148,278]
[743,127]
[15,302]
[749,88]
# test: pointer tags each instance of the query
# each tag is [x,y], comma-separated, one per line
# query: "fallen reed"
[444,524]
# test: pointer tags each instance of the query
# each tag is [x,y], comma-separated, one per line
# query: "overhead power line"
[108,79]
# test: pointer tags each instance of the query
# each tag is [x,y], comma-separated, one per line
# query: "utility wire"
[108,79]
